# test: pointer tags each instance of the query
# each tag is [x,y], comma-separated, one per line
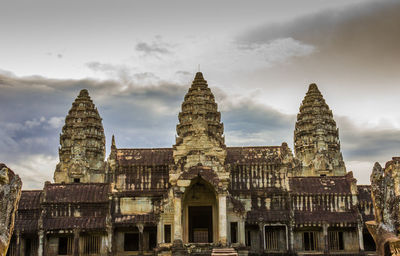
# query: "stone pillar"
[110,245]
[141,238]
[360,236]
[222,220]
[18,244]
[262,238]
[325,235]
[178,219]
[242,232]
[160,228]
[76,243]
[41,242]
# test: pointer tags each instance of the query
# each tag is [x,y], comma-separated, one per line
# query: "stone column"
[262,238]
[160,237]
[360,236]
[291,237]
[222,220]
[18,244]
[41,242]
[178,219]
[242,232]
[325,235]
[76,243]
[141,238]
[110,234]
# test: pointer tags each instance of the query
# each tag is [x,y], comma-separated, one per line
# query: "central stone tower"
[199,177]
[82,141]
[200,131]
[316,138]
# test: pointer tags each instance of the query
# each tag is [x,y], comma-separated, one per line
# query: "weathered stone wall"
[385,188]
[10,193]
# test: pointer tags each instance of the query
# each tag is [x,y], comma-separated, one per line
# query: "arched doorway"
[200,213]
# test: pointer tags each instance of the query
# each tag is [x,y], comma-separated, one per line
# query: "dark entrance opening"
[28,245]
[369,243]
[200,224]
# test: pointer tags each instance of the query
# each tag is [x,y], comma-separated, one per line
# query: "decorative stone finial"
[84,93]
[316,137]
[199,76]
[82,141]
[113,142]
[313,87]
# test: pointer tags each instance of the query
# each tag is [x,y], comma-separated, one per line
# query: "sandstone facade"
[385,188]
[198,197]
[10,193]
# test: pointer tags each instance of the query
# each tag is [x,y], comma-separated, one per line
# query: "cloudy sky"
[138,58]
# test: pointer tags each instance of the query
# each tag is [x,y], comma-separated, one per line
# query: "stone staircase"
[224,252]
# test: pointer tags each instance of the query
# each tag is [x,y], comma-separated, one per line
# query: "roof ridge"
[69,184]
[254,147]
[142,148]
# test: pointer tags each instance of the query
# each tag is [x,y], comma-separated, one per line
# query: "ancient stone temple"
[198,197]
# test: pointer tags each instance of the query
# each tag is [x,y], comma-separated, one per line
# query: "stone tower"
[82,141]
[316,138]
[200,131]
[199,162]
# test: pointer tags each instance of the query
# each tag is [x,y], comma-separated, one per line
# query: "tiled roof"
[238,155]
[148,156]
[320,185]
[256,216]
[302,217]
[76,193]
[26,225]
[72,222]
[30,199]
[164,156]
[133,219]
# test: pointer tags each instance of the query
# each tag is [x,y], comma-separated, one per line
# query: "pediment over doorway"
[204,172]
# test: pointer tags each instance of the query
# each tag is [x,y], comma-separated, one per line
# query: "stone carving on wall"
[385,192]
[10,193]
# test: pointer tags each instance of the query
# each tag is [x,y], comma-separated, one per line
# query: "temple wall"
[298,244]
[138,205]
[351,240]
[257,176]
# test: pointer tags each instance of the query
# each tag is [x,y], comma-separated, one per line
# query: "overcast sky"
[138,58]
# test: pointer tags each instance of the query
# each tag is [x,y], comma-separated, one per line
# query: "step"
[224,252]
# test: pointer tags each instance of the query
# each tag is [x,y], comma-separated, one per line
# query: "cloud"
[34,169]
[56,121]
[364,35]
[150,48]
[277,50]
[363,143]
[156,47]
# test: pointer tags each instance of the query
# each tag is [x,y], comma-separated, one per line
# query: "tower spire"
[199,119]
[113,142]
[82,142]
[316,137]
